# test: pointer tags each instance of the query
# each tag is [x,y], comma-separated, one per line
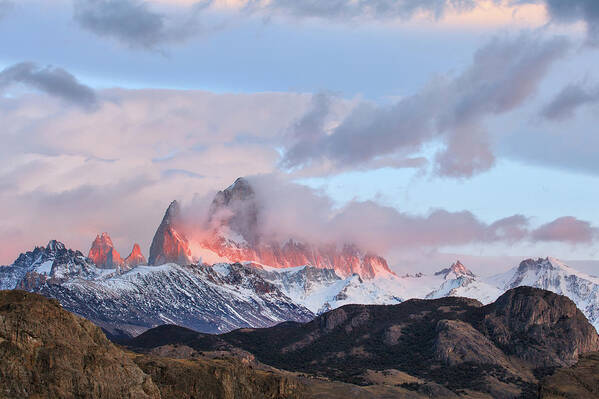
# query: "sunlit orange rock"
[236,237]
[169,245]
[103,253]
[135,258]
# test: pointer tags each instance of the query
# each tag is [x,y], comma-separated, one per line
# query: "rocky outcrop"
[218,378]
[455,342]
[170,245]
[103,253]
[47,352]
[553,275]
[51,264]
[135,258]
[541,327]
[458,342]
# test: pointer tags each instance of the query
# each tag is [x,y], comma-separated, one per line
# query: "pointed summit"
[239,191]
[135,258]
[103,253]
[237,216]
[172,212]
[234,212]
[54,245]
[170,245]
[456,270]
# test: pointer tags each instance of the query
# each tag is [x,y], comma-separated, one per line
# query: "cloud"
[577,10]
[568,100]
[502,76]
[346,10]
[566,229]
[136,24]
[68,174]
[5,7]
[287,210]
[51,80]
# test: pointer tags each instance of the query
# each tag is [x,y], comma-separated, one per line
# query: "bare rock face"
[497,350]
[169,245]
[47,352]
[135,258]
[540,327]
[458,342]
[103,253]
[222,379]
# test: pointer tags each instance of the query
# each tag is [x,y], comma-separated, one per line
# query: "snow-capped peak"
[55,245]
[554,275]
[454,271]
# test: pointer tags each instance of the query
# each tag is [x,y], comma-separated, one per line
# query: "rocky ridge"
[46,352]
[458,343]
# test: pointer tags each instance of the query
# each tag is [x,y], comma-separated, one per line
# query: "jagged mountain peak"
[169,244]
[240,190]
[103,253]
[554,275]
[54,263]
[235,216]
[54,245]
[172,212]
[240,187]
[135,257]
[548,262]
[234,213]
[457,269]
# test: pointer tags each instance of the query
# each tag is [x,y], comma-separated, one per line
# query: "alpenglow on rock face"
[135,258]
[170,245]
[235,217]
[128,302]
[103,253]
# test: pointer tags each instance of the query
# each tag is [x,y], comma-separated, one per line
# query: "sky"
[424,130]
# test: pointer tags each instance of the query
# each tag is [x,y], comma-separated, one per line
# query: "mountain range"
[530,343]
[224,297]
[257,283]
[443,346]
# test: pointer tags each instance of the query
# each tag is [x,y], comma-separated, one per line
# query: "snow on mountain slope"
[226,296]
[322,289]
[53,262]
[457,280]
[553,275]
[467,287]
[195,296]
